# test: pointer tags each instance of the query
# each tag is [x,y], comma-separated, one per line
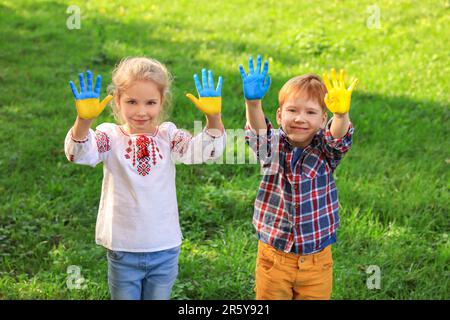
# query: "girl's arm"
[203,147]
[81,145]
[210,144]
[87,100]
[87,103]
[81,128]
[214,124]
[209,101]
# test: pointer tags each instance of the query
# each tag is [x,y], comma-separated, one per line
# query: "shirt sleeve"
[203,147]
[335,149]
[93,149]
[261,143]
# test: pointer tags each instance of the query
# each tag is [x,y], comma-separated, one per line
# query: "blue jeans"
[142,275]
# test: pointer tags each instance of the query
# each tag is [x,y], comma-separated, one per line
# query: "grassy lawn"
[393,185]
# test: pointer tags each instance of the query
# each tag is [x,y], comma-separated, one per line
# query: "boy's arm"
[255,115]
[340,125]
[338,134]
[337,101]
[255,85]
[333,147]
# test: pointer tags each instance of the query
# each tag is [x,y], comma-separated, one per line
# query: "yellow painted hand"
[91,108]
[87,101]
[207,105]
[338,97]
[210,100]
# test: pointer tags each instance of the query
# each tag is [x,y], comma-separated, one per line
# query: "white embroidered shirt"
[138,210]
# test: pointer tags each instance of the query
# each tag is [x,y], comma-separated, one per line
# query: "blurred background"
[393,185]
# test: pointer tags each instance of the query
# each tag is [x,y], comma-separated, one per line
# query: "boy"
[296,208]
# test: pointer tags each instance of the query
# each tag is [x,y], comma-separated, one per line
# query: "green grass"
[393,185]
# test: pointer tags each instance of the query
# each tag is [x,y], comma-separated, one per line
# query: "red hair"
[309,84]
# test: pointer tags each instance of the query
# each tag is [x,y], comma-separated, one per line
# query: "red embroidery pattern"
[78,141]
[130,152]
[155,150]
[146,151]
[180,142]
[103,144]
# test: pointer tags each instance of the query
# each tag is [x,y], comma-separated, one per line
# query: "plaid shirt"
[296,208]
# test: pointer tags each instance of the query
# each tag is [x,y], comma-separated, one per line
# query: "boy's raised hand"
[338,97]
[255,83]
[210,100]
[87,101]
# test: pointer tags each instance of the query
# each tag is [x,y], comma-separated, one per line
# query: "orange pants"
[287,276]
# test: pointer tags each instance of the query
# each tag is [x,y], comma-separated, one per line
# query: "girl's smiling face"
[300,119]
[140,106]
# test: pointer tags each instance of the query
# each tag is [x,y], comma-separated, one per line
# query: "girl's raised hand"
[338,97]
[87,101]
[210,100]
[255,83]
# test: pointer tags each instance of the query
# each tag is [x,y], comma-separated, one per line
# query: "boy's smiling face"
[300,119]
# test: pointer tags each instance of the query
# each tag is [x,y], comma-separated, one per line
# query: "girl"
[138,213]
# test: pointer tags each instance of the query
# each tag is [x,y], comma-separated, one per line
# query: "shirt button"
[297,205]
[302,260]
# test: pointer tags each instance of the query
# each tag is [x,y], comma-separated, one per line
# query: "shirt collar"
[287,146]
[284,140]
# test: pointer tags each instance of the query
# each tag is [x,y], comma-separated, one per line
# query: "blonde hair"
[309,84]
[131,69]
